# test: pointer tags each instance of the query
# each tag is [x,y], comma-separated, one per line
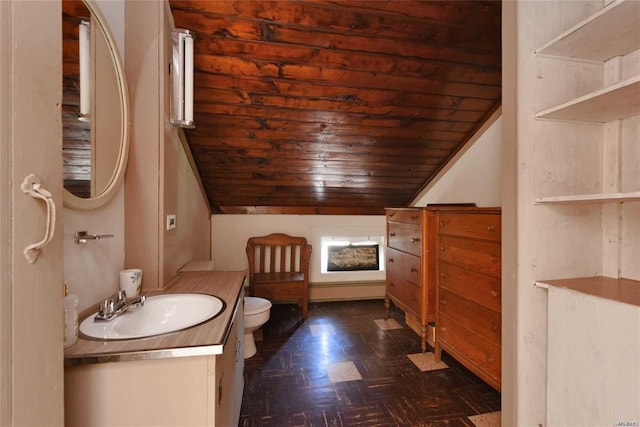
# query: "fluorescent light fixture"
[182,79]
[85,70]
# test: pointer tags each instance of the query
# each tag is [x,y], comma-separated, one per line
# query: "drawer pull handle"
[392,234]
[491,228]
[494,327]
[443,328]
[415,239]
[391,284]
[494,294]
[494,259]
[443,275]
[392,214]
[390,260]
[441,248]
[443,300]
[490,359]
[414,217]
[414,270]
[442,223]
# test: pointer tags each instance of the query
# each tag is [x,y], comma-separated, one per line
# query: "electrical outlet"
[171,222]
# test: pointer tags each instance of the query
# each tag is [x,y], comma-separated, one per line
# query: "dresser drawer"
[475,255]
[405,265]
[404,216]
[474,317]
[472,350]
[484,290]
[405,238]
[404,292]
[478,226]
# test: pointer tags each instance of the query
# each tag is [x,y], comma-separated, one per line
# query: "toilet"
[256,314]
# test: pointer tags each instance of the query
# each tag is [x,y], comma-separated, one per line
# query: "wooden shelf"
[612,31]
[620,290]
[616,102]
[632,196]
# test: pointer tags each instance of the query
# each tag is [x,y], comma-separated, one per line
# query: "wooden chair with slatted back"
[279,268]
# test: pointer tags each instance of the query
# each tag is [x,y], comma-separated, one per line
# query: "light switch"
[171,222]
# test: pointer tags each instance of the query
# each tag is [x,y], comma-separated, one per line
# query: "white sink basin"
[160,314]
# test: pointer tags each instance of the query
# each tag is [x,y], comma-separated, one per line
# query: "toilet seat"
[255,305]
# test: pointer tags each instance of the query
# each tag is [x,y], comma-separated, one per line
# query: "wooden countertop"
[203,339]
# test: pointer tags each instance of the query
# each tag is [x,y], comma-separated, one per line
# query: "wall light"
[85,70]
[182,79]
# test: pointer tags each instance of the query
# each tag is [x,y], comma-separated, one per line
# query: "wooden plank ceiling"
[335,107]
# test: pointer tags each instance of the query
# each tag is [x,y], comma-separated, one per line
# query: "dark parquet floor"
[287,384]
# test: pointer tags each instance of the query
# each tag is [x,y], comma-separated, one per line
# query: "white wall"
[476,177]
[92,269]
[229,234]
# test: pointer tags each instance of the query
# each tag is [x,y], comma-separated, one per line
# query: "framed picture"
[353,258]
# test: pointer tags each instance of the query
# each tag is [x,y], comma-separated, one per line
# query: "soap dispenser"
[70,302]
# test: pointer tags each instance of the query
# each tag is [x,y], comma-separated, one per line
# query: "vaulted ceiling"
[335,107]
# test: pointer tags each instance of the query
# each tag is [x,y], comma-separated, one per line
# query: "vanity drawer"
[474,317]
[405,238]
[475,352]
[475,255]
[404,216]
[405,265]
[478,226]
[484,290]
[404,292]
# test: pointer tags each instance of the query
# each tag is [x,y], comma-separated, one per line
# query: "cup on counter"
[131,281]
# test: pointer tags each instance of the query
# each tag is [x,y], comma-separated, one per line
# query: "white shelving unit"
[616,102]
[613,31]
[592,198]
[587,242]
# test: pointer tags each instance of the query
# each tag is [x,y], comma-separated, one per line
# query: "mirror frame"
[71,200]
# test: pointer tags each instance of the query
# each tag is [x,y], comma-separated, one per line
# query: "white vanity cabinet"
[179,391]
[184,385]
[229,379]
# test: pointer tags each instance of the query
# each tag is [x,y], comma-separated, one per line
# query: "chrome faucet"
[117,304]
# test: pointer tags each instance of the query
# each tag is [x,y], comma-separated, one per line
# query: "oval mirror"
[95,114]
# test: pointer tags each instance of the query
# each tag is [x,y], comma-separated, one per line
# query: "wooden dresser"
[411,265]
[468,291]
[407,266]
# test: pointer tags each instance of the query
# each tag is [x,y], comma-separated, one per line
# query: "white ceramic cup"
[131,281]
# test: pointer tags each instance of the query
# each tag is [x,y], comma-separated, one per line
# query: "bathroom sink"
[160,314]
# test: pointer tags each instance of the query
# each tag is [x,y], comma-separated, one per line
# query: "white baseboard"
[332,291]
